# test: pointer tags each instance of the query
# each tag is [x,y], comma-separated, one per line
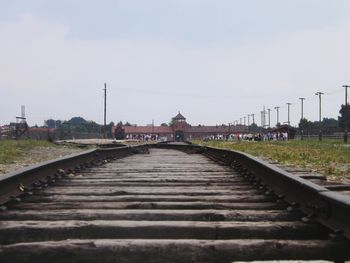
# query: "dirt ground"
[37,155]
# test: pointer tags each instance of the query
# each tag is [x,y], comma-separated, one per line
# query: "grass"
[329,157]
[11,150]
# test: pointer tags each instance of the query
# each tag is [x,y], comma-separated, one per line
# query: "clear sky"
[214,60]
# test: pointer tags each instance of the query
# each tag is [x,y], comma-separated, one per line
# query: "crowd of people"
[269,136]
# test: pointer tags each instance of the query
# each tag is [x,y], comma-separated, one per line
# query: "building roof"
[147,129]
[179,116]
[34,129]
[194,129]
[216,129]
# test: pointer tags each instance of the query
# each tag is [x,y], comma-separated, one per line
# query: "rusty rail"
[15,184]
[149,208]
[319,203]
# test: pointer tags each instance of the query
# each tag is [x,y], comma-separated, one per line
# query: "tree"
[253,127]
[171,122]
[303,123]
[76,121]
[164,124]
[58,123]
[50,123]
[109,128]
[344,117]
[330,123]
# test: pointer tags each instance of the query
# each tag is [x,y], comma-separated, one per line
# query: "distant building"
[179,130]
[289,130]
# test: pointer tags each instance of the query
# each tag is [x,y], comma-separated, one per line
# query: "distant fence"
[335,136]
[55,135]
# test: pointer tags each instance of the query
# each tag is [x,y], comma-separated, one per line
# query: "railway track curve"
[168,203]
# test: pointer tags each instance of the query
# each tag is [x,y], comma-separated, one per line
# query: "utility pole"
[346,94]
[319,94]
[248,119]
[244,120]
[263,118]
[346,121]
[240,121]
[104,119]
[288,103]
[301,118]
[277,111]
[253,128]
[269,110]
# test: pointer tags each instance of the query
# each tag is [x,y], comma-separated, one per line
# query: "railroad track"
[168,203]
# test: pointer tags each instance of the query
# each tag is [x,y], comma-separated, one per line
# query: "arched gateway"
[179,126]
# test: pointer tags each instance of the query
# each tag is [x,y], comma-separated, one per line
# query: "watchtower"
[179,126]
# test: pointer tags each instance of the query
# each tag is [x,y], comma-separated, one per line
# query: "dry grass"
[11,150]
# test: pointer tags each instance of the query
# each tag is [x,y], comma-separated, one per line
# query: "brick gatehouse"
[179,130]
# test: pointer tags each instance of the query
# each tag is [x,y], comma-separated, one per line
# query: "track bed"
[165,206]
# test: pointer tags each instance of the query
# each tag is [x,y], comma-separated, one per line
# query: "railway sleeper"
[153,214]
[171,251]
[31,231]
[57,204]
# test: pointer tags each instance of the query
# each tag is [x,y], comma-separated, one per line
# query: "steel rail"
[15,184]
[326,206]
[319,203]
[151,207]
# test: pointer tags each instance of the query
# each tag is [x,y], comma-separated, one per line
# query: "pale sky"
[214,60]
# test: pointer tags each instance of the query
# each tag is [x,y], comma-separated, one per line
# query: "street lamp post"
[346,121]
[277,111]
[288,103]
[104,113]
[319,94]
[301,118]
[253,128]
[269,110]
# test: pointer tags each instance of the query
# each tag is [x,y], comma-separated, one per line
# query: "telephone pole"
[319,94]
[301,118]
[248,119]
[288,103]
[346,94]
[263,118]
[269,110]
[104,119]
[346,121]
[253,128]
[277,110]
